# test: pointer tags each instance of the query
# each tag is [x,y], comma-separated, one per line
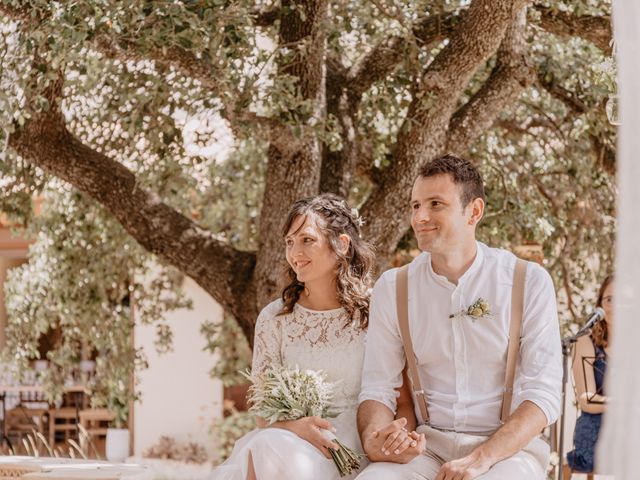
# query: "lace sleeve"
[267,340]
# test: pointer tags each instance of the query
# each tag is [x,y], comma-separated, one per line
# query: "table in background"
[77,390]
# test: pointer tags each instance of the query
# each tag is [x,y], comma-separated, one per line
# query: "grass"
[35,444]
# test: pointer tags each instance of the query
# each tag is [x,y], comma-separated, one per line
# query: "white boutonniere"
[478,309]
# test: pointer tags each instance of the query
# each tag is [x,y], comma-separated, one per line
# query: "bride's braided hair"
[354,268]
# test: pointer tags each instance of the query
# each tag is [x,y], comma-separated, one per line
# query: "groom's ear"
[477,211]
[345,241]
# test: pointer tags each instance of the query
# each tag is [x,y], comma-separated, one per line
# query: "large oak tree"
[310,95]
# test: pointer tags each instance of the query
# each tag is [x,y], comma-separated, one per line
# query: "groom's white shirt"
[462,361]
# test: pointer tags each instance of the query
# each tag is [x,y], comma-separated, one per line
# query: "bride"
[319,324]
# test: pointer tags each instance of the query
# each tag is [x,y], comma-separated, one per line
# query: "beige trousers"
[528,464]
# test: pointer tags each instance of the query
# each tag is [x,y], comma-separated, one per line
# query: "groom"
[459,311]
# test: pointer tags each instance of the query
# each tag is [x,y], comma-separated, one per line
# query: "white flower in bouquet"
[290,394]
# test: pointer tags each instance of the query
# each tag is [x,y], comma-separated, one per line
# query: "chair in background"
[62,424]
[63,421]
[23,420]
[567,472]
[28,415]
[95,422]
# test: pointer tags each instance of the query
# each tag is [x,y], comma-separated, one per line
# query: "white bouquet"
[291,394]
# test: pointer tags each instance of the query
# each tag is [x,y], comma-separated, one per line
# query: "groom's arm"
[524,424]
[382,373]
[405,407]
[376,424]
[373,416]
[538,384]
[384,353]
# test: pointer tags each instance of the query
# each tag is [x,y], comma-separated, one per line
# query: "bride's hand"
[382,444]
[397,442]
[309,429]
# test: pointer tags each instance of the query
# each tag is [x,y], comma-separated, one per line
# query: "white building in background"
[178,397]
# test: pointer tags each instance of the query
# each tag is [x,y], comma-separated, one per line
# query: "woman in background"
[589,367]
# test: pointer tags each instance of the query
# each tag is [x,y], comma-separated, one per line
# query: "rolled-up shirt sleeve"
[539,378]
[384,354]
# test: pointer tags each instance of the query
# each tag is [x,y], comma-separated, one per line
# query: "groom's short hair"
[463,173]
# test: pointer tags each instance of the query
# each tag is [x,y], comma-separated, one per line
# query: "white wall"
[179,399]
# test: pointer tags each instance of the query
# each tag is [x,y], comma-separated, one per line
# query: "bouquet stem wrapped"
[290,394]
[346,460]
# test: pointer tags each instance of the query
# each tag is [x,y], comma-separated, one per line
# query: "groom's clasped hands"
[393,443]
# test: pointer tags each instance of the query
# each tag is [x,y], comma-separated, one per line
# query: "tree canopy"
[193,125]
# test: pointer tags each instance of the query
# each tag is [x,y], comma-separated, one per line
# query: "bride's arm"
[307,428]
[266,354]
[405,408]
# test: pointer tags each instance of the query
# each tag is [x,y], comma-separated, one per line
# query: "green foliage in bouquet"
[290,394]
[282,394]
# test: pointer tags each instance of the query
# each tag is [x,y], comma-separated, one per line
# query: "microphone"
[594,318]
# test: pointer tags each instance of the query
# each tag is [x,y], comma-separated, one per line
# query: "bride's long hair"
[353,268]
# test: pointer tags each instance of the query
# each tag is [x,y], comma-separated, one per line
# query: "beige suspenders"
[402,305]
[517,308]
[517,305]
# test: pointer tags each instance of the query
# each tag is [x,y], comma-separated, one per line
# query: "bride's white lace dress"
[309,339]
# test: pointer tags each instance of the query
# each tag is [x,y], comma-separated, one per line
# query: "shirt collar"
[475,267]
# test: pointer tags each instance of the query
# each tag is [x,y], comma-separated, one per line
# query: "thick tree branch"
[345,89]
[281,136]
[512,73]
[222,271]
[184,61]
[294,172]
[388,53]
[557,91]
[423,135]
[338,167]
[596,30]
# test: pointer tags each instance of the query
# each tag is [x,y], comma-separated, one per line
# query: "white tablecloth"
[49,468]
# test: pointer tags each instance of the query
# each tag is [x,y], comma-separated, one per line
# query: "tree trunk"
[293,173]
[423,134]
[220,270]
[299,165]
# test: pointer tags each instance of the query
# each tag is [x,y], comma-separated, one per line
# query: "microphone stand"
[567,343]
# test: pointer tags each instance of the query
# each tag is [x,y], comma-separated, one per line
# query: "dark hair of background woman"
[600,332]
